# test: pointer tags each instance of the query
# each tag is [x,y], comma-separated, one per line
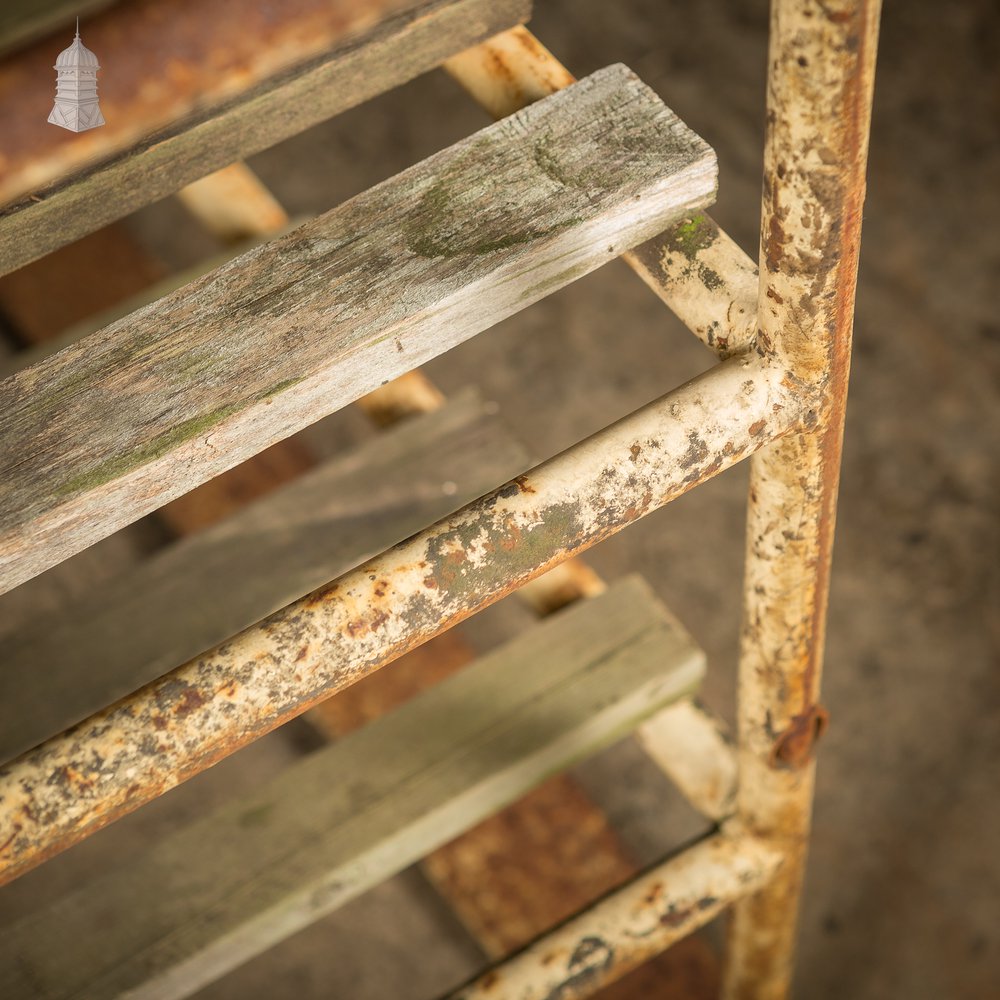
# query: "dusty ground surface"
[903,894]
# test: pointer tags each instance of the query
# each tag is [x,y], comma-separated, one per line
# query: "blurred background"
[903,890]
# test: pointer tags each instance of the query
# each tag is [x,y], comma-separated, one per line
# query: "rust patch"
[11,838]
[774,245]
[697,451]
[190,700]
[524,485]
[794,747]
[528,42]
[757,427]
[675,918]
[302,654]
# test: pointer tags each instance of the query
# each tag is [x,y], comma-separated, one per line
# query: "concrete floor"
[903,894]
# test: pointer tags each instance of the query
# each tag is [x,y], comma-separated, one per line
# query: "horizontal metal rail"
[693,748]
[120,758]
[332,825]
[634,923]
[822,65]
[694,267]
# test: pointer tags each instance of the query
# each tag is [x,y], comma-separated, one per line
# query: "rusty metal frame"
[780,398]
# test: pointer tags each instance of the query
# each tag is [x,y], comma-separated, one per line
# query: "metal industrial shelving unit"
[777,399]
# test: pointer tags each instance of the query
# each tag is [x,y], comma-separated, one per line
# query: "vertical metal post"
[820,76]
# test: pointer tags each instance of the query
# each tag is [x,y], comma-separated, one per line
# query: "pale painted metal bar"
[694,267]
[222,889]
[822,60]
[134,627]
[141,747]
[694,749]
[128,419]
[711,284]
[233,204]
[397,50]
[633,924]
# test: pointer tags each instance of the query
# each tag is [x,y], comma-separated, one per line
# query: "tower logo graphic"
[76,106]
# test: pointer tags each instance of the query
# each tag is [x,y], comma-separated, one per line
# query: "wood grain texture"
[391,53]
[202,590]
[117,425]
[347,817]
[694,267]
[525,869]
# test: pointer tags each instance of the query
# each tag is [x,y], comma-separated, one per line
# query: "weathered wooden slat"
[168,59]
[345,818]
[210,586]
[393,52]
[528,867]
[694,267]
[50,328]
[115,426]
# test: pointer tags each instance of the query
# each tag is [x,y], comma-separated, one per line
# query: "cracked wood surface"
[349,816]
[131,417]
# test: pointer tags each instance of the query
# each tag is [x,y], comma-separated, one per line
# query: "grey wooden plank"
[202,590]
[394,51]
[129,418]
[41,349]
[344,819]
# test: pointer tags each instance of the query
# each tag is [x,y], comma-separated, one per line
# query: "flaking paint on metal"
[693,267]
[386,607]
[632,923]
[819,95]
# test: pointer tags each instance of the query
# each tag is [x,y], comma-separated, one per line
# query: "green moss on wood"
[120,465]
[691,236]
